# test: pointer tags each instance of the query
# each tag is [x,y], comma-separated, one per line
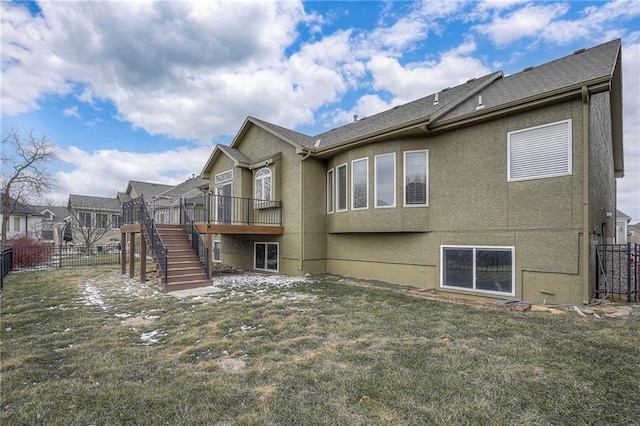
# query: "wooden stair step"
[188,284]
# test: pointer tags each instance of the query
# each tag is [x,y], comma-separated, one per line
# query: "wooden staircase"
[184,268]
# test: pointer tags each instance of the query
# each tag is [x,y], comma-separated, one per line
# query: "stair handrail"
[195,239]
[136,211]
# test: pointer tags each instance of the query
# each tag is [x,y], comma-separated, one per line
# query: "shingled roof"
[88,202]
[148,189]
[583,66]
[59,212]
[18,208]
[183,188]
[596,67]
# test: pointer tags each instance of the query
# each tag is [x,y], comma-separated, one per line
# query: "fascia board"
[594,86]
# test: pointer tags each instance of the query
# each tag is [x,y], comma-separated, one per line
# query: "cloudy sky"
[143,90]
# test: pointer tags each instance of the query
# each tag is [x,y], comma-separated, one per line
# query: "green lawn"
[90,346]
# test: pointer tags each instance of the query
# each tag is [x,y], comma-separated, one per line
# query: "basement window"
[265,257]
[216,251]
[481,269]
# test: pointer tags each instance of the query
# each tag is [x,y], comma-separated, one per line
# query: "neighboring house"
[95,219]
[149,190]
[493,189]
[621,227]
[54,220]
[166,205]
[633,233]
[24,220]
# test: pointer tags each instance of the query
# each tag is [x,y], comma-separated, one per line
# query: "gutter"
[594,86]
[305,154]
[586,236]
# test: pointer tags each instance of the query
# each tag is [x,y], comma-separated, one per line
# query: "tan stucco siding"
[471,203]
[468,179]
[602,183]
[372,219]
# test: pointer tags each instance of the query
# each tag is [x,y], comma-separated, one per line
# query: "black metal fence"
[6,264]
[244,211]
[56,257]
[617,271]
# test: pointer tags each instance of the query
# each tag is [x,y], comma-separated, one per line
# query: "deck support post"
[123,253]
[143,258]
[132,254]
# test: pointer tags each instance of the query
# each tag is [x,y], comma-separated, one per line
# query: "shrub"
[28,253]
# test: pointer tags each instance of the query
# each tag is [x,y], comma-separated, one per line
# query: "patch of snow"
[151,337]
[92,295]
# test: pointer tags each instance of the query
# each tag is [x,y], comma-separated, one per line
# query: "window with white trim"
[224,176]
[385,180]
[265,257]
[416,176]
[85,219]
[16,224]
[102,220]
[330,195]
[263,184]
[539,152]
[482,269]
[360,184]
[341,188]
[216,251]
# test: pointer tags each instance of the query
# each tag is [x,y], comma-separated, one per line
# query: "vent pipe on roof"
[435,99]
[355,117]
[480,104]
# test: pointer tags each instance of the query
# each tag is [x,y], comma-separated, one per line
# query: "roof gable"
[87,202]
[583,67]
[18,208]
[185,187]
[148,189]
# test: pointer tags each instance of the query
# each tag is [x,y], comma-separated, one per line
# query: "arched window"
[263,184]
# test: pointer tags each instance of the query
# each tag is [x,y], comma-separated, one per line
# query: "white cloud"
[629,186]
[72,112]
[155,74]
[407,83]
[104,172]
[530,20]
[593,23]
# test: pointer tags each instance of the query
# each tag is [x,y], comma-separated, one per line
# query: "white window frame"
[339,190]
[101,220]
[265,243]
[474,249]
[82,219]
[375,173]
[426,174]
[353,182]
[330,190]
[16,221]
[213,251]
[263,178]
[220,177]
[533,133]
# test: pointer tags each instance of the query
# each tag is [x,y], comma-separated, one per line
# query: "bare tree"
[25,157]
[91,228]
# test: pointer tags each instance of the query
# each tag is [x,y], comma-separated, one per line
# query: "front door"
[223,207]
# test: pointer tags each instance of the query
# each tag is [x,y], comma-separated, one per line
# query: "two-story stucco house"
[22,220]
[497,188]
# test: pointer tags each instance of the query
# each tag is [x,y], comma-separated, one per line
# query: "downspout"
[306,155]
[586,237]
